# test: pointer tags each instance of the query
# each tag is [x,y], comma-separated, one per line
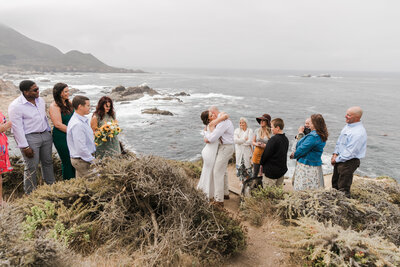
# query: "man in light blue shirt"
[350,148]
[80,137]
[32,134]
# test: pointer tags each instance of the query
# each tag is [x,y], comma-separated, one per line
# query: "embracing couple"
[219,148]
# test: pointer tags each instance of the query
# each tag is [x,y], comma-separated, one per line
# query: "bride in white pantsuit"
[209,153]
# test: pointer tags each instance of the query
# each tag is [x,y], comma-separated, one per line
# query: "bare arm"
[93,123]
[254,140]
[222,117]
[55,116]
[5,126]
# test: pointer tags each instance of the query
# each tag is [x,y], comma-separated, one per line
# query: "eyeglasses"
[35,90]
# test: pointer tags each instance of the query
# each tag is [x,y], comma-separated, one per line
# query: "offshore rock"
[157,111]
[120,93]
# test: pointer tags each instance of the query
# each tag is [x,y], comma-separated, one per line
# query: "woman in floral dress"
[5,165]
[308,173]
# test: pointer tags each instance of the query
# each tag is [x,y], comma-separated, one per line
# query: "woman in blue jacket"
[308,173]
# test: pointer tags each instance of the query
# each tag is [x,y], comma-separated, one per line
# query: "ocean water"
[249,94]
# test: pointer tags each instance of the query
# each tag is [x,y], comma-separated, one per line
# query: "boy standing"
[274,157]
[80,138]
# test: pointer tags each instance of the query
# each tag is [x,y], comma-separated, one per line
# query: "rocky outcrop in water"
[157,111]
[181,94]
[121,93]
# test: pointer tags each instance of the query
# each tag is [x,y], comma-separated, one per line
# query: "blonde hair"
[265,132]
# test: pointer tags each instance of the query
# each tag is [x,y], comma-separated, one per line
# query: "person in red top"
[5,165]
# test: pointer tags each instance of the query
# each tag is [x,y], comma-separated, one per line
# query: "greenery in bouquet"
[106,132]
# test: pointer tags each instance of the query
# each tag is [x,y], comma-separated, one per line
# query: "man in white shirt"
[224,132]
[80,137]
[32,134]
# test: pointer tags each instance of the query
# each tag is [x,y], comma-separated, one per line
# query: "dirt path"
[261,249]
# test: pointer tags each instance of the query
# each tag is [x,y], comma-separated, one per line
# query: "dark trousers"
[256,170]
[342,177]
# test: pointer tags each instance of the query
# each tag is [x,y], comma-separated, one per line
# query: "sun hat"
[265,117]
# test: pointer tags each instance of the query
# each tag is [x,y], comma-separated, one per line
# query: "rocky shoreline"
[9,91]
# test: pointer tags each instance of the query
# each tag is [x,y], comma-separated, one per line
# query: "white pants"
[221,186]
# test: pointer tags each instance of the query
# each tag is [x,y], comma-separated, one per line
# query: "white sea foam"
[87,87]
[216,95]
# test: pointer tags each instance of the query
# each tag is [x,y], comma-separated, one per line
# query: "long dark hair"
[320,126]
[204,117]
[64,105]
[100,112]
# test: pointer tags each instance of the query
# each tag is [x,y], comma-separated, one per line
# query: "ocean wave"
[216,95]
[85,87]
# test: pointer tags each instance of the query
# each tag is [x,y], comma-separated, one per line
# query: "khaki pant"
[271,182]
[81,167]
[221,187]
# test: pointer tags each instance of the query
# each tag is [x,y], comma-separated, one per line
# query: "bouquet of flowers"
[106,132]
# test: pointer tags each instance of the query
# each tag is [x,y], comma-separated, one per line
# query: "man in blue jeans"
[32,134]
[350,148]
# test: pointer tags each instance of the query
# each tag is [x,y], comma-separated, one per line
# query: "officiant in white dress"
[243,137]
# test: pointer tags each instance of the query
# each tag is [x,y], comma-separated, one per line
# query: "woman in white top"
[243,137]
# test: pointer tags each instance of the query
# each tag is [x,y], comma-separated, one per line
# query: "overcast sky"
[361,35]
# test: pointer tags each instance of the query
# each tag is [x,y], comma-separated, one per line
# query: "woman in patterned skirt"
[308,173]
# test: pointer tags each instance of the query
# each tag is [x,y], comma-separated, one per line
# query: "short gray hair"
[243,119]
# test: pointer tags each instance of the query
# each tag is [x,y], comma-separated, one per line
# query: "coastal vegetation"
[325,228]
[145,211]
[129,211]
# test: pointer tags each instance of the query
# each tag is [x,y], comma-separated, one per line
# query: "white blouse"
[243,148]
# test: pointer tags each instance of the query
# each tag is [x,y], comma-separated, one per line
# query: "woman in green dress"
[60,113]
[105,114]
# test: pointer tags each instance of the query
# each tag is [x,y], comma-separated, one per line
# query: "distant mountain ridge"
[22,53]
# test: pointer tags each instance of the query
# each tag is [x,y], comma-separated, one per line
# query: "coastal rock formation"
[120,93]
[8,87]
[157,111]
[181,94]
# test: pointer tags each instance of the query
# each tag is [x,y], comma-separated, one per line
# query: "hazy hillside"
[20,52]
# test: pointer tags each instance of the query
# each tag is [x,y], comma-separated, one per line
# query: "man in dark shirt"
[274,157]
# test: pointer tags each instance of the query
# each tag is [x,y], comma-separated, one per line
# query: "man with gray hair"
[350,148]
[224,132]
